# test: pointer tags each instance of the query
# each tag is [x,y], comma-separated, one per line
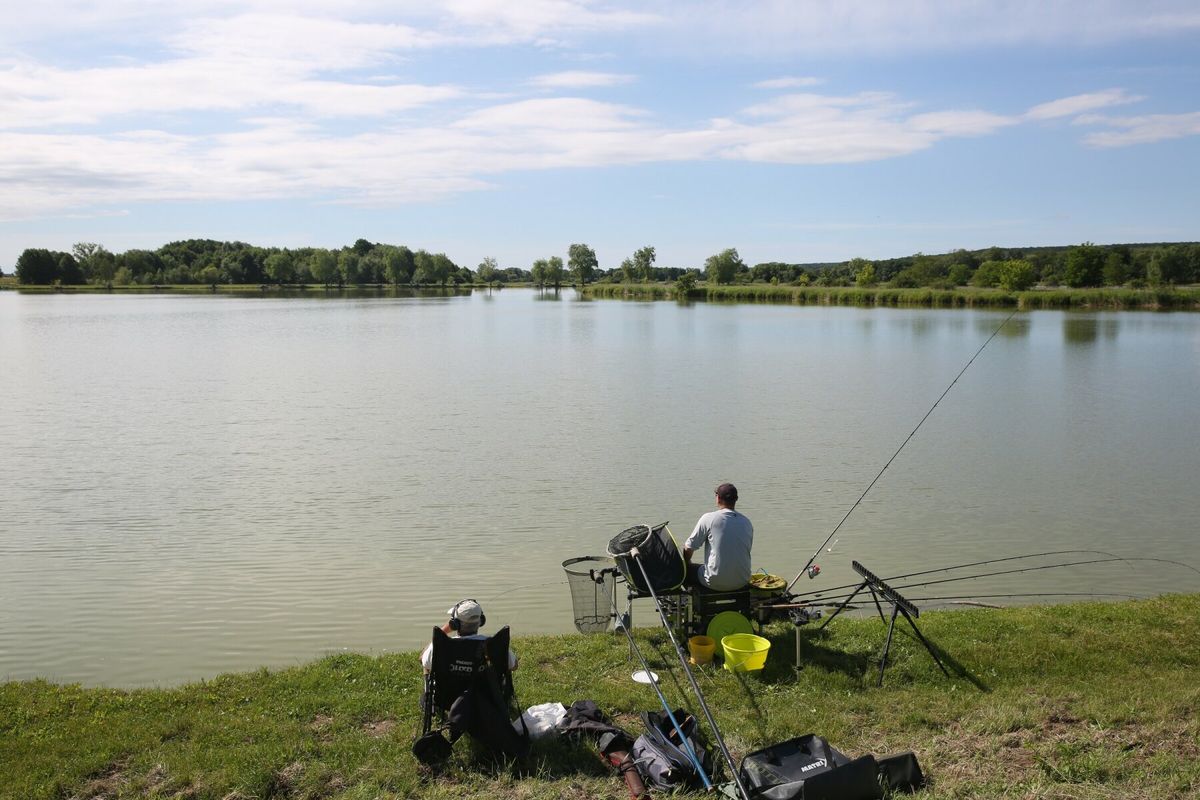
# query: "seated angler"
[727,536]
[466,618]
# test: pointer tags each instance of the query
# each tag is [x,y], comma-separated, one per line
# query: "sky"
[794,130]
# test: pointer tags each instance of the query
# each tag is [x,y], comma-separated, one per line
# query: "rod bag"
[808,768]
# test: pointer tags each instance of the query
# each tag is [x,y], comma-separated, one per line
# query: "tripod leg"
[878,607]
[925,642]
[842,607]
[888,644]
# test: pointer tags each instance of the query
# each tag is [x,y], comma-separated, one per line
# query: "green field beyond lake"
[194,485]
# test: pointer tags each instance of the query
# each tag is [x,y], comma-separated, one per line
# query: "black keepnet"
[658,553]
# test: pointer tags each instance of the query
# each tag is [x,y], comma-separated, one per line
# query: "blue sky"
[793,131]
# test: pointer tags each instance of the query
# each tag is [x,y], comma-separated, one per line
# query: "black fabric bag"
[661,757]
[901,773]
[808,768]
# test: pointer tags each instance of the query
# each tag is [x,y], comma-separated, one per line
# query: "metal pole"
[712,723]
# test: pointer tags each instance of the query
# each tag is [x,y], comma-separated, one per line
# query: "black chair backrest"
[457,663]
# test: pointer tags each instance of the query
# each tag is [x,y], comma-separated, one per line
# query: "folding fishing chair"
[469,689]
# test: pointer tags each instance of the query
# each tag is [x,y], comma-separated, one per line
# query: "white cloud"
[579,79]
[1144,129]
[788,83]
[1078,104]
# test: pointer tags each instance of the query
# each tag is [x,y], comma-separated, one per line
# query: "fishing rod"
[650,676]
[963,566]
[893,458]
[712,723]
[1017,571]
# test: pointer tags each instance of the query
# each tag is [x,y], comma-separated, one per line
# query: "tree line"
[210,262]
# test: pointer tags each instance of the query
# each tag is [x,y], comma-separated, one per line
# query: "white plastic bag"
[541,719]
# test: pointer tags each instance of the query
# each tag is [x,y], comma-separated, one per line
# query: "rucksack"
[661,757]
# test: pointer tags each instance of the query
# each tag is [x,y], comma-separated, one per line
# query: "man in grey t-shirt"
[727,536]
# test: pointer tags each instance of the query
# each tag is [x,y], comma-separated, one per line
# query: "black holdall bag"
[808,768]
[901,772]
[661,757]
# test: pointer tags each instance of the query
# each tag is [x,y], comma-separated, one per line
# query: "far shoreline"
[1046,298]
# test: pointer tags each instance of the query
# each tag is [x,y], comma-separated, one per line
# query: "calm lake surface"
[193,485]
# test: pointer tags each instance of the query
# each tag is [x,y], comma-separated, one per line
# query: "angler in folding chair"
[469,689]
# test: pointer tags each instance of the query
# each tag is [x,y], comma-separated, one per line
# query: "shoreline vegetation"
[1184,298]
[1163,275]
[1086,700]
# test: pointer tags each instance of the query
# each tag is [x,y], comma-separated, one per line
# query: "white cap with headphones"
[468,615]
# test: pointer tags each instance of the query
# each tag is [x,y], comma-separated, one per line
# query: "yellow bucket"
[745,652]
[701,648]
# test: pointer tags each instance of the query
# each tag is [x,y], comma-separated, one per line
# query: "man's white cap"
[468,612]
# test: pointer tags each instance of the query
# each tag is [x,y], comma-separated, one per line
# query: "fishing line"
[901,447]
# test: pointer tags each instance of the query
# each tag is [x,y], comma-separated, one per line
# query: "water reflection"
[1086,330]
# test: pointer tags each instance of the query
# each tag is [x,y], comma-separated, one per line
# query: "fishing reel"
[813,571]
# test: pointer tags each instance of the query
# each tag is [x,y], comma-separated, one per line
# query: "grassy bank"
[241,288]
[963,297]
[1081,701]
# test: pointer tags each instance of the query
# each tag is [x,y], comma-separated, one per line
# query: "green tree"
[685,283]
[988,274]
[487,269]
[958,274]
[398,265]
[554,271]
[280,267]
[1115,271]
[721,268]
[582,262]
[362,247]
[442,268]
[628,271]
[37,266]
[324,266]
[1084,266]
[643,262]
[1016,275]
[864,272]
[348,269]
[539,272]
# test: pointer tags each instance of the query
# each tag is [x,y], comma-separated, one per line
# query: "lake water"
[192,485]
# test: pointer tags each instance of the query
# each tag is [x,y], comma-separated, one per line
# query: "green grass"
[963,297]
[1081,701]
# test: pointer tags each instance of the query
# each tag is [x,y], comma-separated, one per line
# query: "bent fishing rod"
[893,458]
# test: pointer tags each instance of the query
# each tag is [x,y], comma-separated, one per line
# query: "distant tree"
[323,264]
[628,271]
[398,265]
[487,269]
[988,274]
[37,266]
[685,283]
[443,268]
[539,271]
[864,272]
[959,274]
[721,268]
[555,272]
[1084,266]
[280,267]
[643,262]
[348,267]
[69,271]
[1016,275]
[582,262]
[362,247]
[210,275]
[1116,270]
